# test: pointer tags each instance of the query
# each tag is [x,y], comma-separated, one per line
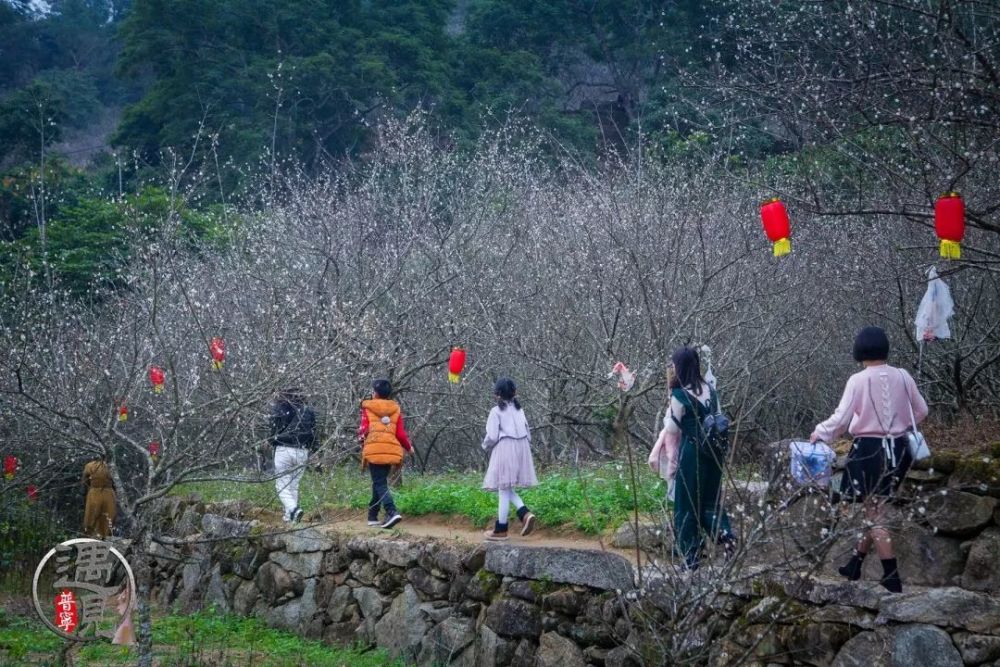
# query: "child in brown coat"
[99,511]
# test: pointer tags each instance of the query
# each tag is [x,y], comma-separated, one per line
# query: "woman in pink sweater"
[875,408]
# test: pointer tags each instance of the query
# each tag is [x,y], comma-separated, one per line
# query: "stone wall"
[436,603]
[945,525]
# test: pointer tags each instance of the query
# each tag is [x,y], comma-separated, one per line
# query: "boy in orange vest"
[385,440]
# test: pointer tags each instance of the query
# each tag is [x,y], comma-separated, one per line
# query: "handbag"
[811,463]
[715,426]
[915,440]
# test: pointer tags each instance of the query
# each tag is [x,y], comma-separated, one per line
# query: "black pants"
[380,491]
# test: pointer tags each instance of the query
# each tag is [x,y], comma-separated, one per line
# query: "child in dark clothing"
[385,443]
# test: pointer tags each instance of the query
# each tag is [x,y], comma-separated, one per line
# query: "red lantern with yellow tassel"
[122,413]
[157,377]
[218,350]
[9,467]
[154,451]
[456,364]
[32,493]
[949,223]
[776,226]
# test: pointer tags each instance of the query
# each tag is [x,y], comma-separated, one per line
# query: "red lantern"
[949,223]
[154,450]
[67,611]
[218,350]
[122,413]
[157,377]
[456,363]
[9,467]
[776,226]
[32,493]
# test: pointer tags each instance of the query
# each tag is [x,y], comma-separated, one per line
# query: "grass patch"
[204,638]
[21,639]
[590,500]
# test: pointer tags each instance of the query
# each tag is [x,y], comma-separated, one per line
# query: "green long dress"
[698,486]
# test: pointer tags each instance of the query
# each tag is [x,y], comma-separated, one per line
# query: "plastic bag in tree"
[935,309]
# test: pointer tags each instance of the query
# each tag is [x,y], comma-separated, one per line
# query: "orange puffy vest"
[381,444]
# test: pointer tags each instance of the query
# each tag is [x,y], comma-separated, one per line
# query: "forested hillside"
[101,98]
[639,136]
[309,80]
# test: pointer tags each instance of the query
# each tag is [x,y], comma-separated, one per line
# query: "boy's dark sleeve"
[309,427]
[274,421]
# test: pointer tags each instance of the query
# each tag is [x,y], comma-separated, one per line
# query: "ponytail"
[506,391]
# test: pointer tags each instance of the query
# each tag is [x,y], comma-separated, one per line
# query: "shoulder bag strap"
[909,402]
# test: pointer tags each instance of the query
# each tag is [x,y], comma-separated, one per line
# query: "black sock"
[500,527]
[522,512]
[853,568]
[890,576]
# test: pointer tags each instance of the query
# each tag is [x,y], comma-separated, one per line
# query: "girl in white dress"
[508,440]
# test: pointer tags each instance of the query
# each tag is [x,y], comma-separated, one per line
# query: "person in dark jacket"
[293,434]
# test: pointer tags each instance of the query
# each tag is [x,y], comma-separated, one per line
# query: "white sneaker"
[392,520]
[372,524]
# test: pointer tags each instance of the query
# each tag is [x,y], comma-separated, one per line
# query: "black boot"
[527,520]
[498,534]
[890,576]
[853,568]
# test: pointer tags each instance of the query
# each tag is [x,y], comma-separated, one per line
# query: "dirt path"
[447,528]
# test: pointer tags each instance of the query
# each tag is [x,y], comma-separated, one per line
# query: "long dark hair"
[687,368]
[506,391]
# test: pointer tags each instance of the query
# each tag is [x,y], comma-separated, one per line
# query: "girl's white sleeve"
[837,423]
[492,430]
[672,421]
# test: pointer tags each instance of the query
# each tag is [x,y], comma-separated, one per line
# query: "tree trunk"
[619,429]
[144,584]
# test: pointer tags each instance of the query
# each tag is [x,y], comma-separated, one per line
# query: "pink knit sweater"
[874,404]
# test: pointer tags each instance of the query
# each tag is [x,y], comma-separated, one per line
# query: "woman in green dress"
[697,489]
